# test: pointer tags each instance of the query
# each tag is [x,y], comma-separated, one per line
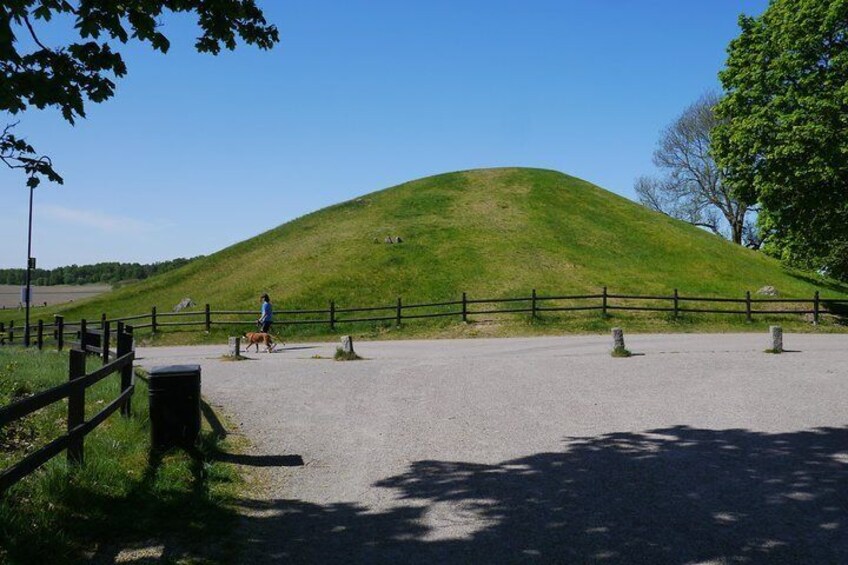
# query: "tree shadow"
[673,495]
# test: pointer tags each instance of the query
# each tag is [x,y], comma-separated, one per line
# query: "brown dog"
[255,338]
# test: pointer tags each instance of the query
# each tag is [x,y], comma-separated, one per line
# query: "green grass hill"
[489,232]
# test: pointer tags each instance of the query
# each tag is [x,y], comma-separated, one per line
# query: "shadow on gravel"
[675,495]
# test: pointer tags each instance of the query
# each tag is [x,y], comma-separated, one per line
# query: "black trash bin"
[174,405]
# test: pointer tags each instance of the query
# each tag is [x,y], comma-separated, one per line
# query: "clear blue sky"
[197,152]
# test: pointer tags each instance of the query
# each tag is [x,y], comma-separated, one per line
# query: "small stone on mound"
[184,303]
[767,291]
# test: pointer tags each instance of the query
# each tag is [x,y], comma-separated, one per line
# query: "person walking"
[266,314]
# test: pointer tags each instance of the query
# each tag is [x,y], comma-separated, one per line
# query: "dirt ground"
[10,295]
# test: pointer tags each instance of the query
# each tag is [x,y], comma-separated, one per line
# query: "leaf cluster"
[66,77]
[783,139]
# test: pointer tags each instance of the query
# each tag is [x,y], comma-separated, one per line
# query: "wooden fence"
[463,308]
[88,342]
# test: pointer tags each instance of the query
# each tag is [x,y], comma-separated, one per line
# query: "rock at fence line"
[235,346]
[388,239]
[776,333]
[398,239]
[184,303]
[767,291]
[347,344]
[618,338]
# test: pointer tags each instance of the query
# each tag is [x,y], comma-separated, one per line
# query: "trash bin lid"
[174,371]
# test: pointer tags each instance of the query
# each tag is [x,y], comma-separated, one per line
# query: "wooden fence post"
[748,305]
[2,331]
[332,315]
[59,328]
[11,332]
[104,342]
[816,308]
[208,319]
[399,307]
[39,335]
[464,307]
[102,320]
[676,303]
[124,346]
[604,302]
[76,406]
[83,330]
[153,319]
[533,304]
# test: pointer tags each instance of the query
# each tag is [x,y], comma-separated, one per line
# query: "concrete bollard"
[347,344]
[776,339]
[235,346]
[618,338]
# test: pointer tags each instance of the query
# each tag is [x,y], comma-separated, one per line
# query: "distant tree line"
[110,273]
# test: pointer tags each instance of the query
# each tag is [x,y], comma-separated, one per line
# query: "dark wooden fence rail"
[535,304]
[119,361]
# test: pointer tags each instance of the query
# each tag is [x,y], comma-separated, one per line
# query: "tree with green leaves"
[66,77]
[783,137]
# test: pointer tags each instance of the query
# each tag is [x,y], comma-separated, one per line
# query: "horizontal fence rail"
[605,302]
[118,362]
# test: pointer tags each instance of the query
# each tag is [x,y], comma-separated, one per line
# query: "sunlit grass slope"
[491,232]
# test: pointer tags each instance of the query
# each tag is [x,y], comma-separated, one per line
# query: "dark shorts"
[265,326]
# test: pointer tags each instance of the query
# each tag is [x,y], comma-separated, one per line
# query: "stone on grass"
[347,344]
[767,291]
[184,303]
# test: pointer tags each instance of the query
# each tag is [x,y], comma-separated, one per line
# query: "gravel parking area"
[702,448]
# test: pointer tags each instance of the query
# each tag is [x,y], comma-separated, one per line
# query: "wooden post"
[124,346]
[59,323]
[2,333]
[76,406]
[676,303]
[39,335]
[604,302]
[748,305]
[153,319]
[533,304]
[11,332]
[208,319]
[464,307]
[816,308]
[102,320]
[83,331]
[104,342]
[332,315]
[399,307]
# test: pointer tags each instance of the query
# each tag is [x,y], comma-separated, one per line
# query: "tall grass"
[124,494]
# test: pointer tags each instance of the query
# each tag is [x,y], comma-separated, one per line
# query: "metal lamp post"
[28,296]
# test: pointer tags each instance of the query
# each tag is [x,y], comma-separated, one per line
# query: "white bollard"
[235,346]
[347,344]
[618,338]
[776,339]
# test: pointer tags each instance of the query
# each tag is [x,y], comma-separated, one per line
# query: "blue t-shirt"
[267,316]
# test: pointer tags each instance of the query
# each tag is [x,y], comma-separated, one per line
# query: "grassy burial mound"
[490,233]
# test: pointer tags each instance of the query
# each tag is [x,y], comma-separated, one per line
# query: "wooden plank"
[31,462]
[76,406]
[25,406]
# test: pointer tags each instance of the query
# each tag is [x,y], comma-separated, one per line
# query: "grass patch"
[123,496]
[342,355]
[773,351]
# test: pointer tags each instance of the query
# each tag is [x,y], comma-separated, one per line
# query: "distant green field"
[491,233]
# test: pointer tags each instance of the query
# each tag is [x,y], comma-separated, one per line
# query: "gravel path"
[702,448]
